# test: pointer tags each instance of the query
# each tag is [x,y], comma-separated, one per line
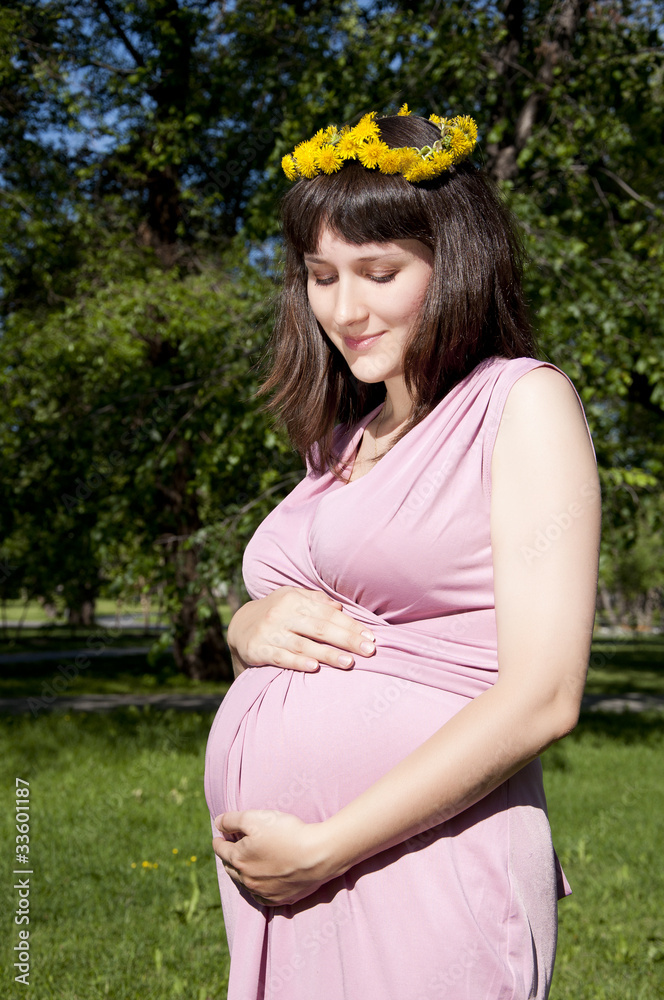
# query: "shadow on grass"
[128,674]
[627,663]
[48,742]
[620,727]
[56,637]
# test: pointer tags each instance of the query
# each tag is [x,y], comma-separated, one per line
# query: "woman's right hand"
[297,629]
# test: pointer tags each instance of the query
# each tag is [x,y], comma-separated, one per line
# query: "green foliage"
[140,143]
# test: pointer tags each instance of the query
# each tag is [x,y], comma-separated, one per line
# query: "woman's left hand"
[278,858]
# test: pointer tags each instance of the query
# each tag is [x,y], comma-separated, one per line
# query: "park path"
[70,654]
[628,702]
[107,702]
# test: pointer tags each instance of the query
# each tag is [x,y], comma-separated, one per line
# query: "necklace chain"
[380,420]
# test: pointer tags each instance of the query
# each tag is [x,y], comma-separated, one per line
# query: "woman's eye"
[321,281]
[382,279]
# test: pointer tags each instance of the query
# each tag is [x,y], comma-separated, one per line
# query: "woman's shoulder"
[543,404]
[533,409]
[541,381]
[539,389]
[534,389]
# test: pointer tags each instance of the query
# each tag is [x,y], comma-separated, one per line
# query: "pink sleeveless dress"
[467,911]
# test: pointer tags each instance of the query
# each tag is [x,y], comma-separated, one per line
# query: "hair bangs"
[358,206]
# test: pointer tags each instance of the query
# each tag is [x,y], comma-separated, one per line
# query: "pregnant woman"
[422,602]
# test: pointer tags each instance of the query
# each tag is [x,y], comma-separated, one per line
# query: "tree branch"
[120,32]
[112,69]
[629,190]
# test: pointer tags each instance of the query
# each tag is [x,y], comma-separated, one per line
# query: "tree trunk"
[526,106]
[199,645]
[81,603]
[83,614]
[206,659]
[607,605]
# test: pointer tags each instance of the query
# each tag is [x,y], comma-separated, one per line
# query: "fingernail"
[311,664]
[369,635]
[367,647]
[345,661]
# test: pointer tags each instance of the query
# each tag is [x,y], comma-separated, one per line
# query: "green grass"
[16,610]
[114,790]
[108,792]
[606,801]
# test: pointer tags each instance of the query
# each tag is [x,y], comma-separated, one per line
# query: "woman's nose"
[349,305]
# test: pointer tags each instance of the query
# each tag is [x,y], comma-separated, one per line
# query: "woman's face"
[366,298]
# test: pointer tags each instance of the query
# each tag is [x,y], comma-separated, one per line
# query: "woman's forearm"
[490,739]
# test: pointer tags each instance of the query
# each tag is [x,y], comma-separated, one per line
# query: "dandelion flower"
[390,162]
[193,857]
[437,120]
[348,146]
[460,144]
[289,168]
[415,172]
[371,153]
[467,125]
[133,864]
[305,157]
[366,128]
[329,159]
[175,850]
[403,110]
[408,158]
[441,161]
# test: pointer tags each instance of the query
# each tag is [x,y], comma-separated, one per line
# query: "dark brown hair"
[474,306]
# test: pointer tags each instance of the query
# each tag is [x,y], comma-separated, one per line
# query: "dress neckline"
[353,446]
[351,449]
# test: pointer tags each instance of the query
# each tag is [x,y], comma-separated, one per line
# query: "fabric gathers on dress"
[468,909]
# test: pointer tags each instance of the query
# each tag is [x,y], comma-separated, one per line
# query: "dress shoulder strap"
[504,374]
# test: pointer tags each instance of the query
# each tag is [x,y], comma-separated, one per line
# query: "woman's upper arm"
[545,528]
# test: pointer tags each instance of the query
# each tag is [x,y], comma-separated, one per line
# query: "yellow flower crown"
[328,150]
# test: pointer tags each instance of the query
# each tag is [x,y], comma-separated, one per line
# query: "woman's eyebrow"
[363,260]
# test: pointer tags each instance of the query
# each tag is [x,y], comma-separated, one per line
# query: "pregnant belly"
[308,743]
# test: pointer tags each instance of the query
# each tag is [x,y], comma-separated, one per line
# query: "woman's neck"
[398,403]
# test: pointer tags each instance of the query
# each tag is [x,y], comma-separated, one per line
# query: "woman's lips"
[361,343]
